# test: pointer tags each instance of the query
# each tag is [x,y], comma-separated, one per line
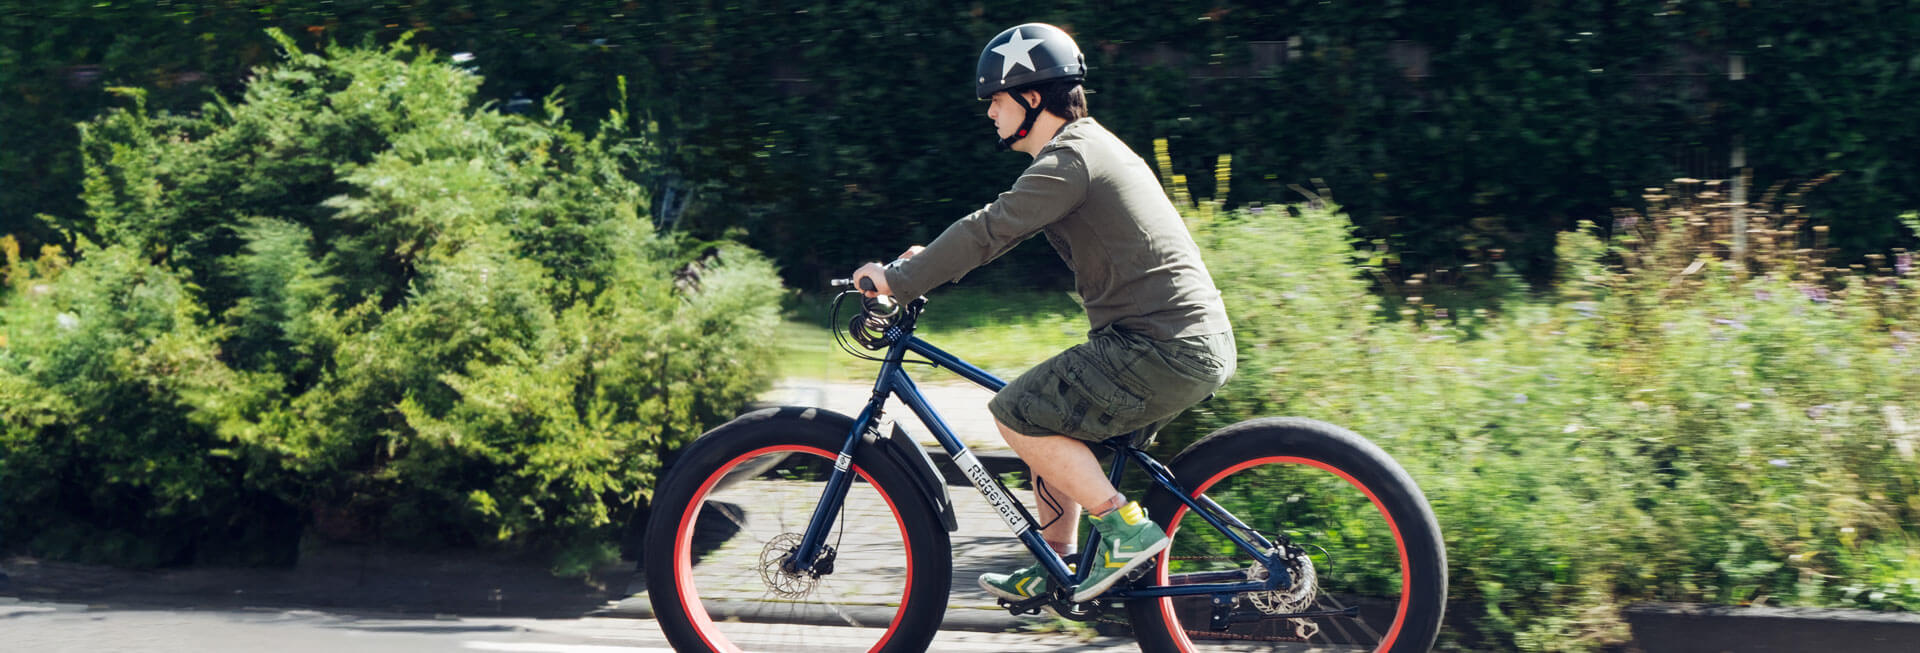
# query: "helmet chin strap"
[1026,124]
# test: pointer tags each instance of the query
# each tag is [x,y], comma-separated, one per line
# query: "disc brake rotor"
[1295,598]
[782,582]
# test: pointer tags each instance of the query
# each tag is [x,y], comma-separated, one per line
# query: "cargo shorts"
[1116,382]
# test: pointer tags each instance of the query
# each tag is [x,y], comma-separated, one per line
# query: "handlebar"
[865,284]
[878,305]
[878,315]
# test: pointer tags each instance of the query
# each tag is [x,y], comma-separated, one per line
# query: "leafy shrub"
[107,380]
[355,298]
[1665,425]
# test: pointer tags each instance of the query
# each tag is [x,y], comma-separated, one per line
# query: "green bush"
[357,301]
[108,380]
[1666,425]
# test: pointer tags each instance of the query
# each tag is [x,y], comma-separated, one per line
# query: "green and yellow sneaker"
[1024,583]
[1127,540]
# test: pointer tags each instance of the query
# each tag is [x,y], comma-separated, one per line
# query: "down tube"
[1010,510]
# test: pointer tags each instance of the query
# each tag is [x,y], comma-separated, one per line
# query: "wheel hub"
[1294,598]
[784,581]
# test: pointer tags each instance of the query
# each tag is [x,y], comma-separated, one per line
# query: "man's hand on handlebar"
[871,279]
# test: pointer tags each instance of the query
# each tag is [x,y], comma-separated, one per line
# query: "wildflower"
[67,321]
[1762,295]
[1903,263]
[1780,462]
[1815,293]
[1744,405]
[1520,398]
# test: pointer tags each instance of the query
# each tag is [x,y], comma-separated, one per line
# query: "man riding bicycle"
[1159,339]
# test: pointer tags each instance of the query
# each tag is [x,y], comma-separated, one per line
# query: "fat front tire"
[731,510]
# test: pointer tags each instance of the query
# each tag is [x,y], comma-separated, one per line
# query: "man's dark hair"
[1064,98]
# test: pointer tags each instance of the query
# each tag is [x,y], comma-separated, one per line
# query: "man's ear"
[1032,98]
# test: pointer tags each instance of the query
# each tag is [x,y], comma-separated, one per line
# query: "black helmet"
[1026,55]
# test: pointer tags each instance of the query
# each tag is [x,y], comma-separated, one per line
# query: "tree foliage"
[1464,134]
[353,299]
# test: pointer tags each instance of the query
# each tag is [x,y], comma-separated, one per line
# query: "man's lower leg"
[1128,539]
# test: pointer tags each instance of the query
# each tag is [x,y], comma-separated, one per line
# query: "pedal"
[1028,606]
[1141,571]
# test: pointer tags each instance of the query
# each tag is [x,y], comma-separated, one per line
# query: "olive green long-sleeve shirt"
[1103,210]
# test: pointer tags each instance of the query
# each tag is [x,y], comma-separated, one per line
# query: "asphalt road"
[75,628]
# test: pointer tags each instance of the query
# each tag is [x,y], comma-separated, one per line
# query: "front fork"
[812,556]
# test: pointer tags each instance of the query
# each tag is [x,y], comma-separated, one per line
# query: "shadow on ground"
[349,578]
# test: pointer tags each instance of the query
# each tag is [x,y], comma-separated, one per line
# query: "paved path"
[50,627]
[961,404]
[870,569]
[981,544]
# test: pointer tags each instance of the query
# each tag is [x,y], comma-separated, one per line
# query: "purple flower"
[1815,293]
[1763,295]
[1903,263]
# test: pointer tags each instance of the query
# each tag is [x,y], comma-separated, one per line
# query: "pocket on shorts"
[1202,358]
[1080,398]
[1113,407]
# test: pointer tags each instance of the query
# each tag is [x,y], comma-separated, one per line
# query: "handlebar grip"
[866,283]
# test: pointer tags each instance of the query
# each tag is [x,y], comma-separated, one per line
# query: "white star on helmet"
[1017,51]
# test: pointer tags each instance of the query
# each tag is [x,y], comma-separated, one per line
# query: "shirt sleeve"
[1050,189]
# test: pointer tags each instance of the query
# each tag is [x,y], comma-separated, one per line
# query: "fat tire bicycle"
[791,518]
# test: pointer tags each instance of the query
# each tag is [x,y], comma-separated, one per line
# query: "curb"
[1695,628]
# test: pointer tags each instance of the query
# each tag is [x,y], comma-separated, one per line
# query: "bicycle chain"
[1208,633]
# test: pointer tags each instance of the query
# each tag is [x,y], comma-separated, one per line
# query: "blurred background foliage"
[372,294]
[351,299]
[1665,425]
[1460,135]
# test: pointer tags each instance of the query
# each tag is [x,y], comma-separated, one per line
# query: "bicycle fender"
[911,456]
[898,449]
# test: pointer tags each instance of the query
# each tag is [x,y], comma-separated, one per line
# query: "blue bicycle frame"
[893,381]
